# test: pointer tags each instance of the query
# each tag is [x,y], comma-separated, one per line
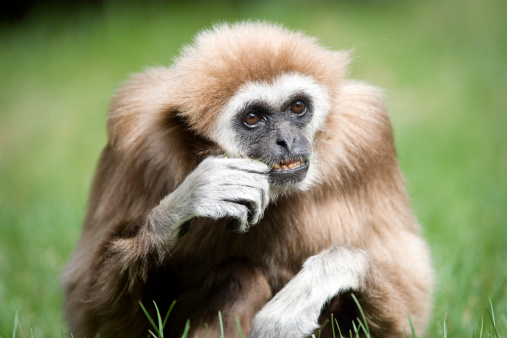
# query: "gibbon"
[253,178]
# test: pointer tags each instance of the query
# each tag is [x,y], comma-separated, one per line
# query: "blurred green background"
[443,65]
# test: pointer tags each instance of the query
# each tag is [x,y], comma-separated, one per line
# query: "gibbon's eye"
[298,107]
[251,119]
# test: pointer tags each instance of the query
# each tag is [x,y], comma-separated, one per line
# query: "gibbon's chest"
[277,246]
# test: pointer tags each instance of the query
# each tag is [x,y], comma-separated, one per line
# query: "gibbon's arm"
[217,188]
[330,277]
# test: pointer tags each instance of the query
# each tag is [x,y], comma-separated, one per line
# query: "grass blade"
[361,326]
[16,324]
[149,317]
[168,313]
[491,314]
[414,335]
[159,318]
[238,325]
[187,328]
[445,326]
[367,330]
[482,326]
[332,325]
[221,325]
[339,330]
[322,326]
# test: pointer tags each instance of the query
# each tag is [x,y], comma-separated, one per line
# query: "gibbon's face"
[275,122]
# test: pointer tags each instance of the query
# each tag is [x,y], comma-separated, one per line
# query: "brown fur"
[159,129]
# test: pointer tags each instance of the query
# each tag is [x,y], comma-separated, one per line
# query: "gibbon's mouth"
[288,165]
[288,171]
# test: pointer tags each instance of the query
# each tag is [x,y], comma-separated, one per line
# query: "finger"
[252,197]
[236,211]
[261,201]
[252,207]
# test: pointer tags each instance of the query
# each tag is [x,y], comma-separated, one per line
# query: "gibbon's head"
[260,91]
[250,89]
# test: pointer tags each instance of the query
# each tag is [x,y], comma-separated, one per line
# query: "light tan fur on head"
[349,217]
[208,73]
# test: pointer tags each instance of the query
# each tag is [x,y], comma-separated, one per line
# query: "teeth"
[287,165]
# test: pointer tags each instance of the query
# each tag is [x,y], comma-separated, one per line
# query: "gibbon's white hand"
[218,188]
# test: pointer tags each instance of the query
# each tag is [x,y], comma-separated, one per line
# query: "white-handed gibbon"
[253,178]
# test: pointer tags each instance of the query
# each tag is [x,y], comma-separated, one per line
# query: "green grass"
[442,63]
[360,325]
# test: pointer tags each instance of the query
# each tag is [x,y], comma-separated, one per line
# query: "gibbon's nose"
[285,142]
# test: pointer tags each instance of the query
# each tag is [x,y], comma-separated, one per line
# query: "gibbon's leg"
[329,278]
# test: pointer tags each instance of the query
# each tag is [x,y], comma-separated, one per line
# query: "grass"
[159,326]
[360,330]
[442,63]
